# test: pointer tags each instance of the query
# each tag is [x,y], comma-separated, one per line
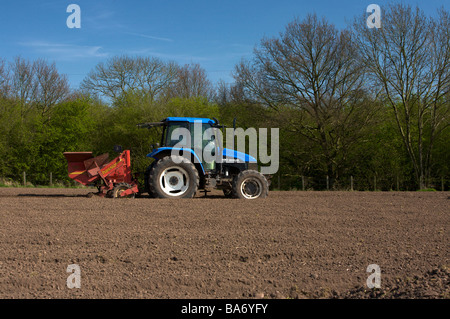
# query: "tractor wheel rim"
[174,181]
[251,188]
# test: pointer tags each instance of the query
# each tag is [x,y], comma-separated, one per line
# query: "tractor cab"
[201,136]
[191,136]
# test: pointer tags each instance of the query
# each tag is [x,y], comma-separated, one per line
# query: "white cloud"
[63,51]
[149,36]
[180,58]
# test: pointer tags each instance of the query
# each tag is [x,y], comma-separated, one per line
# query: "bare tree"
[122,74]
[4,79]
[111,78]
[408,60]
[222,95]
[191,81]
[52,87]
[229,93]
[36,84]
[23,84]
[314,67]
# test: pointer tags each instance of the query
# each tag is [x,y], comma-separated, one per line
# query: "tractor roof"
[179,119]
[189,119]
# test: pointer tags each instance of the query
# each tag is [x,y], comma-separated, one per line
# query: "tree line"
[349,102]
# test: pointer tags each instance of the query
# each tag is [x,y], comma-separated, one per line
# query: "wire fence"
[354,183]
[278,182]
[32,179]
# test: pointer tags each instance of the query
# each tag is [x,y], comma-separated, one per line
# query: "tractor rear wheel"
[250,184]
[173,177]
[147,178]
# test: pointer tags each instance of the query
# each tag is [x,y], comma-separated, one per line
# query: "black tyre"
[147,177]
[173,177]
[250,184]
[119,188]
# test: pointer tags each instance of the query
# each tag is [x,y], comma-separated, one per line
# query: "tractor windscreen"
[171,136]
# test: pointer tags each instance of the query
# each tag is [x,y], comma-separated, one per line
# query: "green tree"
[408,61]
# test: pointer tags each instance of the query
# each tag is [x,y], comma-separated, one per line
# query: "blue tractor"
[179,168]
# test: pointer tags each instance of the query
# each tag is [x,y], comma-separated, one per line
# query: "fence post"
[351,183]
[24,178]
[328,183]
[51,179]
[303,182]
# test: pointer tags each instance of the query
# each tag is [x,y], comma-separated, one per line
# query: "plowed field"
[290,245]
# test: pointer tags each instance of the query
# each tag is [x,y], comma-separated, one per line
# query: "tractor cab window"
[204,145]
[173,138]
[205,138]
[202,137]
[202,140]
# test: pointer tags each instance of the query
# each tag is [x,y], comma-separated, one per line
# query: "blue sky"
[216,34]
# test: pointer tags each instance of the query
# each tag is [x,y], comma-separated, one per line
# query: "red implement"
[113,179]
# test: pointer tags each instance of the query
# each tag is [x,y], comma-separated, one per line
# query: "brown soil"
[290,245]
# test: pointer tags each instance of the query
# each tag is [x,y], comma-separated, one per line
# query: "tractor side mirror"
[118,148]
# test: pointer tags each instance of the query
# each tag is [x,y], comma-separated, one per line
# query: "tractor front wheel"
[250,184]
